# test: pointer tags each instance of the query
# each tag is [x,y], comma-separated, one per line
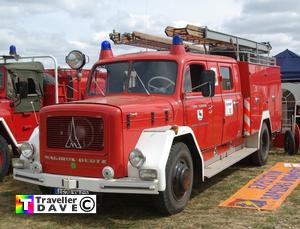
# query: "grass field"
[136,211]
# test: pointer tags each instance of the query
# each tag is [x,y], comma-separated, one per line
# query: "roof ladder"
[148,41]
[220,42]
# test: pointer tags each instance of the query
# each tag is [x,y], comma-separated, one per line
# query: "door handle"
[210,107]
[273,97]
[235,102]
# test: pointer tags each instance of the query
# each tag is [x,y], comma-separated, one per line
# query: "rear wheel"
[4,158]
[297,136]
[289,143]
[179,180]
[260,157]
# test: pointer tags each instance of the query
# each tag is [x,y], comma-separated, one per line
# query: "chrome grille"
[75,132]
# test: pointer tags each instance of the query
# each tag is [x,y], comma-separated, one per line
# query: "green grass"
[137,211]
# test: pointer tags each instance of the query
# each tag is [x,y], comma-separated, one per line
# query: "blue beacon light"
[177,40]
[12,50]
[106,51]
[105,45]
[177,47]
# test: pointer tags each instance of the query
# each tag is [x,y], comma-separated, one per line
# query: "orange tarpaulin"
[267,191]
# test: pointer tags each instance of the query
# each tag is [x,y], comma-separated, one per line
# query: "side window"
[31,86]
[187,81]
[196,79]
[1,81]
[226,78]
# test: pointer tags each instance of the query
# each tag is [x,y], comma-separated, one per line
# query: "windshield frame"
[130,66]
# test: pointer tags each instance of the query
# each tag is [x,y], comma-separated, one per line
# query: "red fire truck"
[25,87]
[164,119]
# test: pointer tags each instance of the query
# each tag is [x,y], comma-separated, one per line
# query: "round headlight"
[76,59]
[27,150]
[136,158]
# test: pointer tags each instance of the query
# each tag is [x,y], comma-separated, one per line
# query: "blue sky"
[58,26]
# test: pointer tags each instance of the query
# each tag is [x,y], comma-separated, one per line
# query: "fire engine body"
[204,113]
[71,84]
[20,114]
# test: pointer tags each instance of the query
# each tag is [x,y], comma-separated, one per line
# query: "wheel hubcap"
[185,179]
[182,179]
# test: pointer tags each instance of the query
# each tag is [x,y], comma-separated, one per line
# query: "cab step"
[218,166]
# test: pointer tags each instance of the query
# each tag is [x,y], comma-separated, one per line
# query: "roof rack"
[144,40]
[225,44]
[199,39]
[205,36]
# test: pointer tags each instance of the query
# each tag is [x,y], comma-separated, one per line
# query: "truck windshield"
[147,77]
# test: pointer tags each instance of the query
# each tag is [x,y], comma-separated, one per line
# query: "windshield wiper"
[102,92]
[137,75]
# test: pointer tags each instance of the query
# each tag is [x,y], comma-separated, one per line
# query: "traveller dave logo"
[24,204]
[57,204]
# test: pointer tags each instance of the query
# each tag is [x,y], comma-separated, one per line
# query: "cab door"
[198,110]
[26,110]
[218,108]
[231,103]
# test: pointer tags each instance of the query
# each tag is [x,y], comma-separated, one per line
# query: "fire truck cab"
[162,121]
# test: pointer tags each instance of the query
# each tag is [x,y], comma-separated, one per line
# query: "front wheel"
[179,180]
[260,157]
[4,158]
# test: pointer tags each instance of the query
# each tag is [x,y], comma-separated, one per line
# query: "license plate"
[62,191]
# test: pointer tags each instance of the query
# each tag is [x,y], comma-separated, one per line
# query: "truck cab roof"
[166,55]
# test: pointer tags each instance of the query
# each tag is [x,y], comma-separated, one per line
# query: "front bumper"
[121,185]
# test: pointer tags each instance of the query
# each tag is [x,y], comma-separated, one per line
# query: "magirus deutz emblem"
[73,141]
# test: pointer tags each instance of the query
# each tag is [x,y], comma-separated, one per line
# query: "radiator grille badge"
[73,141]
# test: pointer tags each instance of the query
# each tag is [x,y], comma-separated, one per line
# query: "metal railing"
[246,56]
[289,114]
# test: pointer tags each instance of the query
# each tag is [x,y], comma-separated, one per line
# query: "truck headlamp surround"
[76,59]
[27,150]
[136,158]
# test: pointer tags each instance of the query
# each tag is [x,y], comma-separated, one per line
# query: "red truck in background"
[25,87]
[164,120]
[72,85]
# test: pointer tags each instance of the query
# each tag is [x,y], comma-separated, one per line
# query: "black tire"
[289,143]
[4,158]
[260,157]
[179,181]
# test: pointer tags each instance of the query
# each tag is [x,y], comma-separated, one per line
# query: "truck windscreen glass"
[146,77]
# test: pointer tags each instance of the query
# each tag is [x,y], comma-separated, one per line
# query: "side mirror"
[208,80]
[23,89]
